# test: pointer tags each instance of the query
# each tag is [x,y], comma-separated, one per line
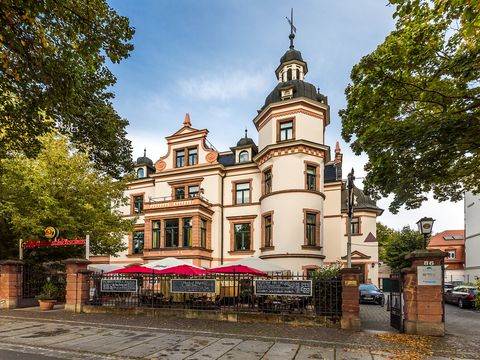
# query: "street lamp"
[425,225]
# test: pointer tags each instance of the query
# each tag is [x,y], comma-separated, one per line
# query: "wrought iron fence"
[277,294]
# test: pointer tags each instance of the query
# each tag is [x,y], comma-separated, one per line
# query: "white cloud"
[225,85]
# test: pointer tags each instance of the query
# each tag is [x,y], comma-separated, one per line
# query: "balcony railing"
[173,201]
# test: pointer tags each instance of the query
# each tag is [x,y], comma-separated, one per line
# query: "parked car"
[447,286]
[369,293]
[463,296]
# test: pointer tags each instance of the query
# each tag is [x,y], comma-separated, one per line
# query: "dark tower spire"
[293,29]
[145,152]
[246,131]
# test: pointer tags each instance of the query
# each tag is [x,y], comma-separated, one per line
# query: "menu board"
[283,287]
[192,286]
[119,285]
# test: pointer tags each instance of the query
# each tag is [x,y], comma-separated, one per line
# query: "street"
[33,335]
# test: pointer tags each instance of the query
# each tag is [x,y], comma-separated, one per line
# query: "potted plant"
[48,296]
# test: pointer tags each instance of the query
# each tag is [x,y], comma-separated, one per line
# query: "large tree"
[53,74]
[395,245]
[60,188]
[414,104]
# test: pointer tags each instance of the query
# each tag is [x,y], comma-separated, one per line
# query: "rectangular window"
[179,158]
[192,156]
[268,231]
[242,192]
[137,242]
[156,234]
[179,193]
[242,237]
[138,204]
[451,254]
[286,130]
[311,177]
[267,182]
[311,229]
[203,233]
[193,191]
[355,225]
[171,233]
[187,232]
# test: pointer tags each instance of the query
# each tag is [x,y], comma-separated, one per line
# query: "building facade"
[453,243]
[281,199]
[472,236]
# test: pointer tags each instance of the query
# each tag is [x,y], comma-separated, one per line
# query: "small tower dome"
[144,160]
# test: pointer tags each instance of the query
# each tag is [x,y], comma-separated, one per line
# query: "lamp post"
[425,226]
[350,200]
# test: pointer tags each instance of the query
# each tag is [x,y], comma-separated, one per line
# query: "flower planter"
[46,305]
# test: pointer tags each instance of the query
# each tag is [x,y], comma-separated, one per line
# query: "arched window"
[243,156]
[298,74]
[140,173]
[289,74]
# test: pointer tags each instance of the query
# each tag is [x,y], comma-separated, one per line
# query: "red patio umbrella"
[137,269]
[237,269]
[182,270]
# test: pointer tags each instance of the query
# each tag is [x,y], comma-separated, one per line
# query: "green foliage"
[327,272]
[60,188]
[396,244]
[414,104]
[476,304]
[50,291]
[53,75]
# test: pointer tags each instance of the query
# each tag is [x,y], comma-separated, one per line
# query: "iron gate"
[396,301]
[34,277]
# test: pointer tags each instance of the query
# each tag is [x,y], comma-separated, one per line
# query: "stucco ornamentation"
[160,165]
[212,157]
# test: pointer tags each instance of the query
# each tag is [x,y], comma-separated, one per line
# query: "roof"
[245,141]
[362,201]
[300,89]
[291,54]
[448,237]
[144,160]
[227,159]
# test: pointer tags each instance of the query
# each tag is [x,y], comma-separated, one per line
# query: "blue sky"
[216,61]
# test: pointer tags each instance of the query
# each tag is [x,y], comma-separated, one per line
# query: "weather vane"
[293,29]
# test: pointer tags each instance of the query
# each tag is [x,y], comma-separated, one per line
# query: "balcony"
[170,202]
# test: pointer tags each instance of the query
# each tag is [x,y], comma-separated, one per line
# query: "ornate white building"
[282,200]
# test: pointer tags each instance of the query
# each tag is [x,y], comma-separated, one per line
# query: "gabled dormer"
[187,148]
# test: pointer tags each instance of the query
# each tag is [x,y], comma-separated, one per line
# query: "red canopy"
[134,269]
[237,269]
[182,270]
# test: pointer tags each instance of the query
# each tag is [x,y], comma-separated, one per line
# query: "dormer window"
[243,156]
[140,173]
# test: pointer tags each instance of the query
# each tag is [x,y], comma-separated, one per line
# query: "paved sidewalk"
[61,335]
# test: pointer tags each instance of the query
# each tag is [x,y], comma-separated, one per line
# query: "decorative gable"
[357,255]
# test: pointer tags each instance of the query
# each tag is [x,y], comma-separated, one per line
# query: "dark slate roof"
[245,141]
[300,89]
[362,201]
[291,54]
[143,160]
[226,159]
[330,173]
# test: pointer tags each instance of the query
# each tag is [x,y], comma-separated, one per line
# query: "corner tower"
[291,127]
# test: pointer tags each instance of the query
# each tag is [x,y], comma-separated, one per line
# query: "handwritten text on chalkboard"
[193,286]
[119,285]
[283,287]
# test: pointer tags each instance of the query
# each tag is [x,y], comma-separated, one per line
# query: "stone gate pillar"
[423,293]
[11,278]
[78,285]
[350,299]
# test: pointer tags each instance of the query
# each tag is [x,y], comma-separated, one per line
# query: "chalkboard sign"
[192,286]
[119,285]
[283,287]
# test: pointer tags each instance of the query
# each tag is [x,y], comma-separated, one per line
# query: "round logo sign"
[426,226]
[50,232]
